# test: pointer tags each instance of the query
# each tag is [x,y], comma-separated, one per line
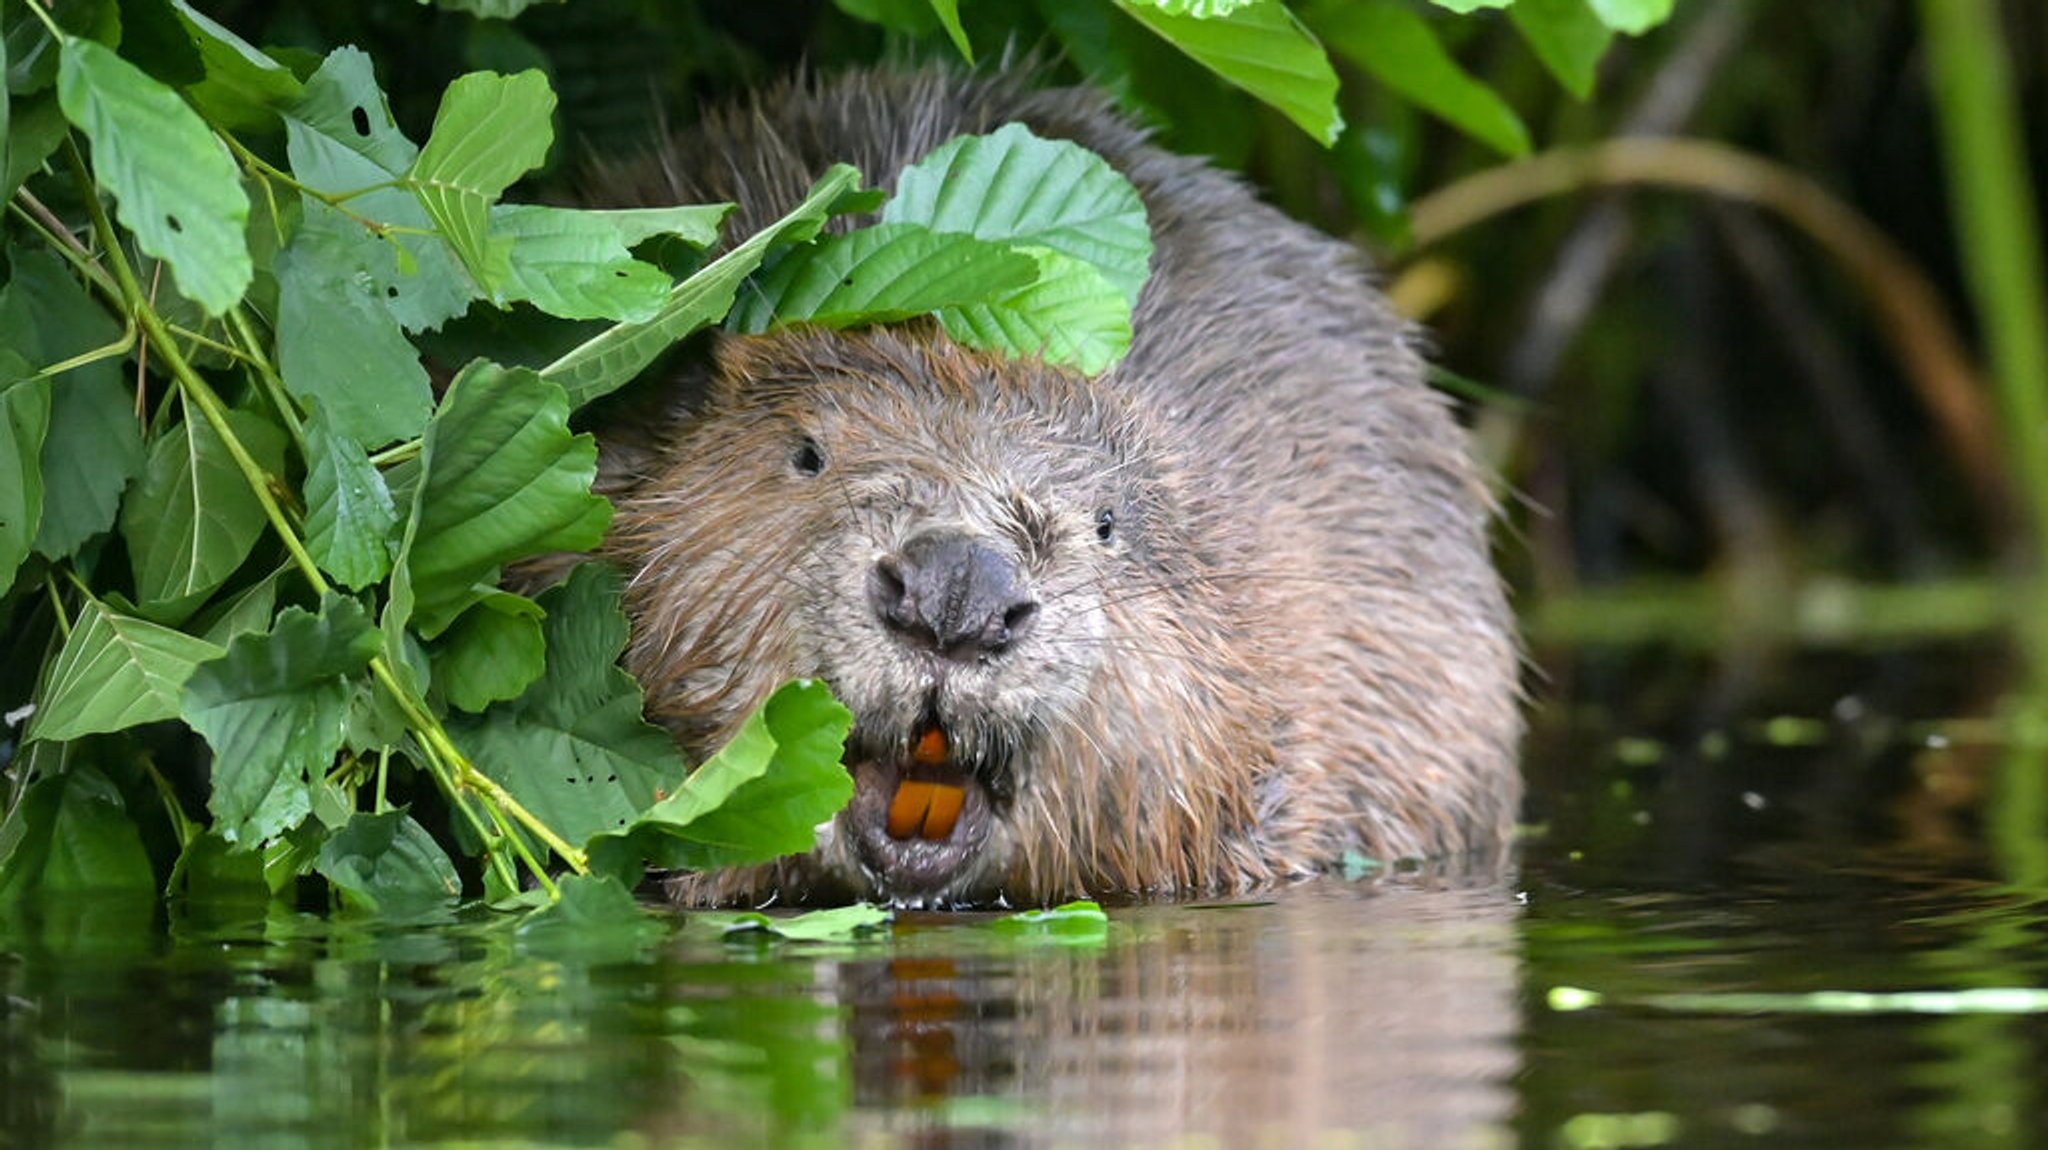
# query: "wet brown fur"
[1297,649]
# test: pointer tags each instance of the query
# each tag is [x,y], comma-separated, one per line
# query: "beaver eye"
[807,459]
[1105,525]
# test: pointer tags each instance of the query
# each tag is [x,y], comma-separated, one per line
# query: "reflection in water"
[1345,1015]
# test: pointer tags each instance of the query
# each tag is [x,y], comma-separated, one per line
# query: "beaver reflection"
[1337,1016]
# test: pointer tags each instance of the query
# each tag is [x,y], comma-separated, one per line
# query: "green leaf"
[834,924]
[594,915]
[1568,37]
[1389,40]
[192,519]
[71,834]
[570,263]
[249,609]
[759,798]
[1262,49]
[415,273]
[114,672]
[273,709]
[878,275]
[242,88]
[502,479]
[489,131]
[948,12]
[349,513]
[35,127]
[174,186]
[1071,315]
[574,749]
[1081,922]
[494,652]
[339,340]
[1213,9]
[1012,187]
[1464,7]
[1634,17]
[94,444]
[387,863]
[24,421]
[605,363]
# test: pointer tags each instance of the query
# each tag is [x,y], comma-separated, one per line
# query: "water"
[1414,1010]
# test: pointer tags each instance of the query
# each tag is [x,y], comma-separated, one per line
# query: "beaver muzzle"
[920,815]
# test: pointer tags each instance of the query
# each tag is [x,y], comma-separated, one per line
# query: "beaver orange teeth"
[925,809]
[907,810]
[931,749]
[945,810]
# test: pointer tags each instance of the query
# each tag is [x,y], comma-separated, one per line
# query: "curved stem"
[1915,321]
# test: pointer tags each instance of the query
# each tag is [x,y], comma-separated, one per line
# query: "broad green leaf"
[24,421]
[94,445]
[72,834]
[489,131]
[415,273]
[948,12]
[211,874]
[273,709]
[573,264]
[1212,9]
[1012,187]
[339,341]
[1390,40]
[114,672]
[878,275]
[502,479]
[759,798]
[1070,315]
[242,88]
[574,748]
[1261,48]
[1080,922]
[1634,17]
[249,609]
[595,915]
[387,863]
[349,513]
[605,363]
[192,519]
[174,186]
[834,924]
[1463,7]
[35,127]
[1568,37]
[494,652]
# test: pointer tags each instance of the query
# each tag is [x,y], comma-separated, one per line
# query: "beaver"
[1223,615]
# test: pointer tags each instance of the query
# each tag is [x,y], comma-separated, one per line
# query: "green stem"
[266,373]
[1993,206]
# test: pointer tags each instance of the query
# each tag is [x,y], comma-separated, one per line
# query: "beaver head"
[993,565]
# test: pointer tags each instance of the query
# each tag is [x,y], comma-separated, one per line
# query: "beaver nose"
[952,594]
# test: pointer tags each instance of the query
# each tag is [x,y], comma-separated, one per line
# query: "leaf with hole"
[174,186]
